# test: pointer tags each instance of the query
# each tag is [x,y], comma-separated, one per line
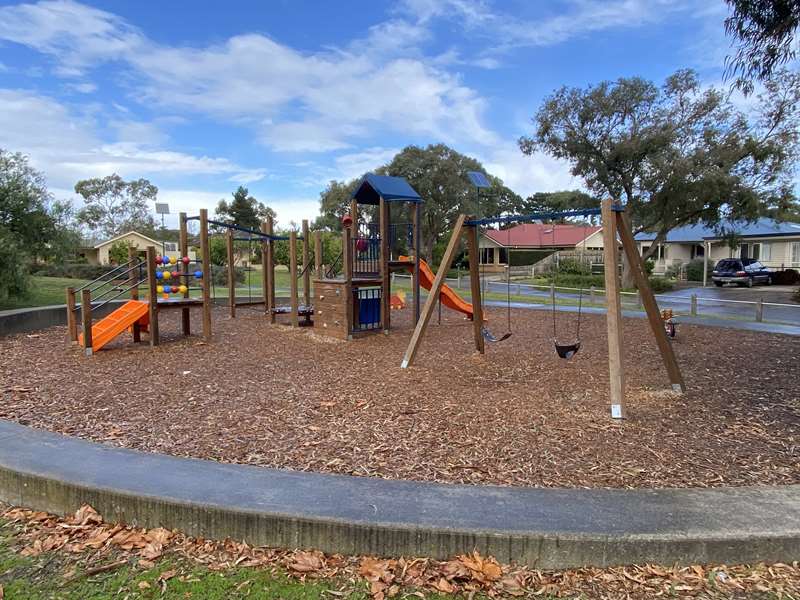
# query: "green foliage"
[570,266]
[244,210]
[114,206]
[219,275]
[439,174]
[661,284]
[676,154]
[70,270]
[217,250]
[14,281]
[559,201]
[694,269]
[118,253]
[764,31]
[649,265]
[528,257]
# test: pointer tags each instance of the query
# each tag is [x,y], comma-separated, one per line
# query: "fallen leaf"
[167,575]
[306,562]
[143,585]
[86,515]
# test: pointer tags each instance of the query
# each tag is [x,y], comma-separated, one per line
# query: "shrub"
[118,253]
[786,277]
[694,269]
[14,279]
[219,275]
[71,270]
[661,284]
[649,265]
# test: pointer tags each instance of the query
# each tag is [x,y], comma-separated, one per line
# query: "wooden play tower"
[358,299]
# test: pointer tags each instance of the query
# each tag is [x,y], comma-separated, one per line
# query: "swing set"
[616,229]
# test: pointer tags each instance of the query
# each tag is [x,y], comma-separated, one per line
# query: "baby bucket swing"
[488,335]
[567,350]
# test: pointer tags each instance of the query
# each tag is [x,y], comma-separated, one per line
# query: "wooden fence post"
[591,294]
[693,307]
[86,317]
[760,310]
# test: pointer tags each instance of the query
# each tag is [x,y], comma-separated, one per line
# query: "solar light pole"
[480,181]
[162,208]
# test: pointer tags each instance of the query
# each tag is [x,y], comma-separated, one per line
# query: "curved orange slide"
[449,297]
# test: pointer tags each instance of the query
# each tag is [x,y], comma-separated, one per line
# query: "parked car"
[741,271]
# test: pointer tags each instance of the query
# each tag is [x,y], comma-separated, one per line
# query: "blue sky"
[283,96]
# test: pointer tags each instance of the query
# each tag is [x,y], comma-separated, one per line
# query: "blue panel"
[369,311]
[478,179]
[373,187]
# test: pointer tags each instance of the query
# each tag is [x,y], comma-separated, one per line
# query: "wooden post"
[693,306]
[264,243]
[293,278]
[436,288]
[318,255]
[613,312]
[86,318]
[591,294]
[231,273]
[354,216]
[475,287]
[133,283]
[386,285]
[72,321]
[152,295]
[415,224]
[205,256]
[306,272]
[269,271]
[183,247]
[553,294]
[760,310]
[347,262]
[649,301]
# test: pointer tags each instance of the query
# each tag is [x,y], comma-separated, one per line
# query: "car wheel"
[749,282]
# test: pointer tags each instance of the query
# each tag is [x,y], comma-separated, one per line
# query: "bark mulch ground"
[274,396]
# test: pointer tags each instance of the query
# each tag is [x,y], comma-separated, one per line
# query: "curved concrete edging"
[546,528]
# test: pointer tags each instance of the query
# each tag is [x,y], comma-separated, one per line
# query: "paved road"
[712,301]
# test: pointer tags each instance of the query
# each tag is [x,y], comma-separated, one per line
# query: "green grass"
[44,291]
[54,576]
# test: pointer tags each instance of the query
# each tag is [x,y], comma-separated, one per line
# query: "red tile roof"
[537,235]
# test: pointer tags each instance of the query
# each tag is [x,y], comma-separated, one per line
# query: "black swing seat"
[567,351]
[489,337]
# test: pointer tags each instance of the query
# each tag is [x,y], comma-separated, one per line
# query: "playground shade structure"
[449,297]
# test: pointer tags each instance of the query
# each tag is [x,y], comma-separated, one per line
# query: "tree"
[765,31]
[115,206]
[559,201]
[678,154]
[243,210]
[334,203]
[118,253]
[32,225]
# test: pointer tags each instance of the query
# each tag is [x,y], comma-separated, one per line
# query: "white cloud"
[529,174]
[356,164]
[85,87]
[67,147]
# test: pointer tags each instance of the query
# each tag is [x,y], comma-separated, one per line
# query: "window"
[750,251]
[796,254]
[697,251]
[766,251]
[170,247]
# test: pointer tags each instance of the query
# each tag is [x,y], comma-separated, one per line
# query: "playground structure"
[615,227]
[350,297]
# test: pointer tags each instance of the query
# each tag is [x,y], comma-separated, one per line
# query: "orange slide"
[449,297]
[109,327]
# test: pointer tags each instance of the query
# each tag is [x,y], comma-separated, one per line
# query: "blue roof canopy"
[392,189]
[697,233]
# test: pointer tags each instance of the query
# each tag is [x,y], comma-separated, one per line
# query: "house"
[99,253]
[532,242]
[776,245]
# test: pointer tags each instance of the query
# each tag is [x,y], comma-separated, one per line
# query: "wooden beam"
[354,216]
[475,287]
[133,281]
[183,247]
[318,255]
[347,261]
[306,272]
[231,273]
[433,296]
[152,295]
[205,257]
[269,272]
[416,209]
[72,321]
[86,318]
[293,278]
[613,312]
[386,283]
[649,301]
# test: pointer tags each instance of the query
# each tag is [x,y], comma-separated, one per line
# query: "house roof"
[540,235]
[697,233]
[374,187]
[122,235]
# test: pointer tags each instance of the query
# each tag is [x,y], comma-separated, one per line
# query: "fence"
[690,305]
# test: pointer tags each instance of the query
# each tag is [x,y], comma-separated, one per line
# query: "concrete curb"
[545,528]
